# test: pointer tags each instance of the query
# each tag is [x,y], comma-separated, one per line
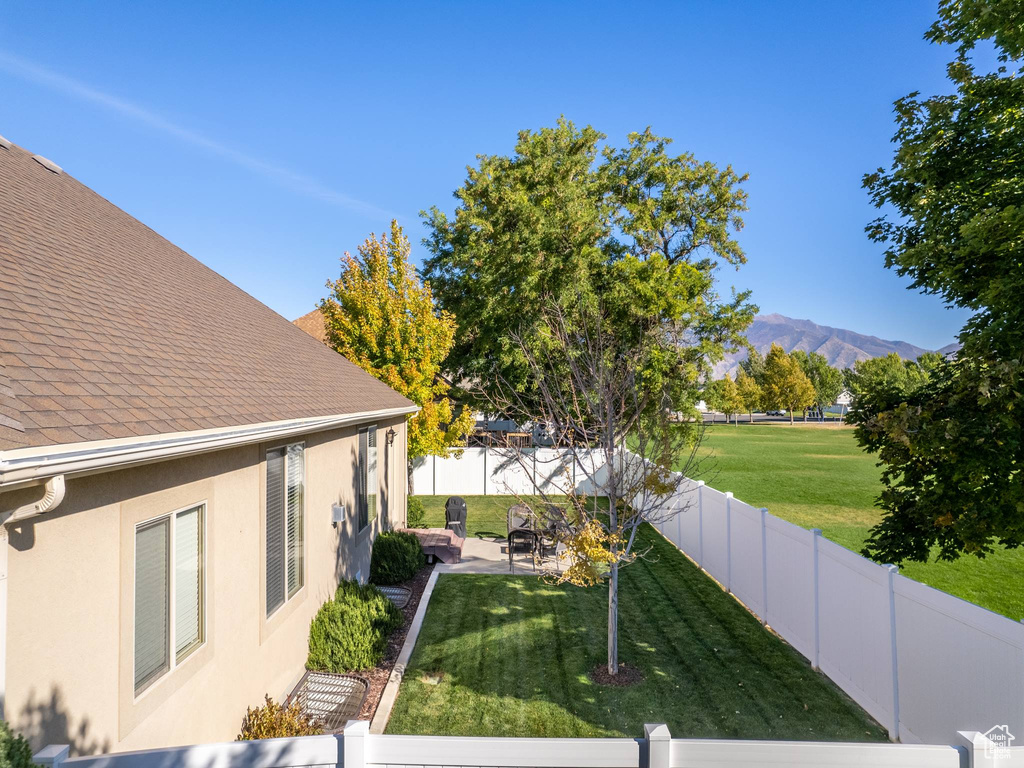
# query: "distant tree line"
[799,380]
[776,381]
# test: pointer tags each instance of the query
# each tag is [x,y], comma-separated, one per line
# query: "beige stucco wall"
[71,586]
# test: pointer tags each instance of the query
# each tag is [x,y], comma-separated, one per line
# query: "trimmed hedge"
[350,632]
[274,721]
[15,751]
[415,514]
[397,556]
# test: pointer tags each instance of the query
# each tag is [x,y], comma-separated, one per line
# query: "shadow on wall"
[46,720]
[346,552]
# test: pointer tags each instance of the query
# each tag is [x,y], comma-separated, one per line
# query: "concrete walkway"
[491,556]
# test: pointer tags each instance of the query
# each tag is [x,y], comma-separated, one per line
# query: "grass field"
[817,477]
[486,516]
[510,656]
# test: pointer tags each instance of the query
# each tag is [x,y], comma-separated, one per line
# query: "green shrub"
[14,749]
[351,631]
[397,557]
[415,514]
[273,721]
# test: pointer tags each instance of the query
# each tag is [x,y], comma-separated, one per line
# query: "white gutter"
[24,466]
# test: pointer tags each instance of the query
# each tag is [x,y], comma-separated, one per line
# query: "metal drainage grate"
[330,698]
[400,596]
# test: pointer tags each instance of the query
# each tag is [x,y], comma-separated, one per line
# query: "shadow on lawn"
[504,655]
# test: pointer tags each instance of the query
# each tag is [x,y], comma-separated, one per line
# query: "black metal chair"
[519,517]
[552,525]
[520,526]
[455,515]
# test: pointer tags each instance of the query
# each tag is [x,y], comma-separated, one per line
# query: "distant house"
[313,324]
[184,478]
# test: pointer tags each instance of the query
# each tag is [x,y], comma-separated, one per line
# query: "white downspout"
[53,494]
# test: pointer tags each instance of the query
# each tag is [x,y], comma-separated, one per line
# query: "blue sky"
[267,138]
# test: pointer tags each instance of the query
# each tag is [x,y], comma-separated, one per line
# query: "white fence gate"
[923,663]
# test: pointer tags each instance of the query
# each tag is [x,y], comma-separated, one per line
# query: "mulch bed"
[627,675]
[378,676]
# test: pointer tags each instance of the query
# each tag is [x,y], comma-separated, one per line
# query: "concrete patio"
[490,555]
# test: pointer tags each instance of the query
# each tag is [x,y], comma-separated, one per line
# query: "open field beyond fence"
[820,478]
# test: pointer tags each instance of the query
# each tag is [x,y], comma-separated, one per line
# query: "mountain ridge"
[841,347]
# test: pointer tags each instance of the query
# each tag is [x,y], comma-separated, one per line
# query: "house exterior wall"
[71,594]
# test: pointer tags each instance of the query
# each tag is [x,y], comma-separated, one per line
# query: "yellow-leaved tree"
[382,317]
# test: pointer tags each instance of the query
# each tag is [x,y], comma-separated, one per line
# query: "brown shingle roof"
[108,330]
[313,324]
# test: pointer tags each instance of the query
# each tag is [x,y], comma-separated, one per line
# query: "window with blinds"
[285,507]
[188,581]
[169,610]
[366,483]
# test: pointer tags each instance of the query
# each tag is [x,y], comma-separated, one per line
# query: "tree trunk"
[613,581]
[751,415]
[790,415]
[613,621]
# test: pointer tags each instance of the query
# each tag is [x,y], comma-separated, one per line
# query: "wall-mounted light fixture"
[390,435]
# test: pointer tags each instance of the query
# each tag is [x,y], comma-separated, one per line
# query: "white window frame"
[302,571]
[190,652]
[363,487]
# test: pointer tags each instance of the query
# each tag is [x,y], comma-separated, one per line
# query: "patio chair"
[455,515]
[519,517]
[552,525]
[521,536]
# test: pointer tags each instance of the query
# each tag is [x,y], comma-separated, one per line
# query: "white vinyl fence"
[923,663]
[498,471]
[357,748]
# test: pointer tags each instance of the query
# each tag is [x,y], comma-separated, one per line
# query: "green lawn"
[817,477]
[485,515]
[509,656]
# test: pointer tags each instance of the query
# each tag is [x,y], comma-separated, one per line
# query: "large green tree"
[891,372]
[951,450]
[826,380]
[635,231]
[749,391]
[785,383]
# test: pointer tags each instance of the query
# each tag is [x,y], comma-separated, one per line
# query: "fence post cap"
[656,732]
[728,494]
[764,510]
[54,754]
[975,741]
[891,568]
[816,531]
[700,483]
[357,728]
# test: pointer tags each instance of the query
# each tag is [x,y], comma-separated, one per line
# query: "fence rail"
[923,663]
[358,748]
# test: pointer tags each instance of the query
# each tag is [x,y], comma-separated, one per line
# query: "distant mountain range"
[840,347]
